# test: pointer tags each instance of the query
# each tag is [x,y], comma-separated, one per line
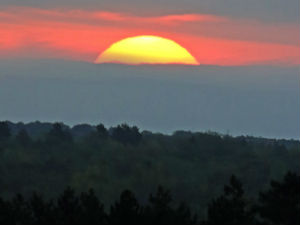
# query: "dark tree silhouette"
[42,211]
[126,211]
[23,138]
[230,208]
[20,210]
[183,215]
[57,156]
[59,134]
[281,203]
[160,211]
[92,211]
[68,208]
[126,135]
[102,131]
[4,131]
[6,215]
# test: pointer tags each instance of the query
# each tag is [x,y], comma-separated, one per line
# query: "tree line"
[47,157]
[280,204]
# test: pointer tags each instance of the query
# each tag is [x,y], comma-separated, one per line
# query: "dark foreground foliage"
[48,157]
[278,205]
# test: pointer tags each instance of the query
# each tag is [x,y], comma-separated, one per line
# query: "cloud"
[196,24]
[85,16]
[81,34]
[170,19]
[268,10]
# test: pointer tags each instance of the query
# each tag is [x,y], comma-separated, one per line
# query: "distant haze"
[252,100]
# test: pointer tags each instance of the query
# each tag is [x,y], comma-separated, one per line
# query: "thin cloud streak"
[56,14]
[82,35]
[195,24]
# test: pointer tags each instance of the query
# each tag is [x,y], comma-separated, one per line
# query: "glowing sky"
[250,86]
[82,34]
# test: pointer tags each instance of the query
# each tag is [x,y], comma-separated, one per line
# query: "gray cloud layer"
[242,100]
[271,10]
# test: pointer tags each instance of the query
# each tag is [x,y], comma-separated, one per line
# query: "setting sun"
[146,50]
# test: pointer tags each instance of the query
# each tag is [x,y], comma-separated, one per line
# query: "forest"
[51,173]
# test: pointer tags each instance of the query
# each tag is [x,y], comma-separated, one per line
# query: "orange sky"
[82,35]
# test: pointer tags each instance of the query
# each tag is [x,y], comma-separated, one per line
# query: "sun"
[146,49]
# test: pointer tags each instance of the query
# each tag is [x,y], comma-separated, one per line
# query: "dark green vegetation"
[47,158]
[279,205]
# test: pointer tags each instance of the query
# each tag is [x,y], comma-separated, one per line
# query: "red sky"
[83,35]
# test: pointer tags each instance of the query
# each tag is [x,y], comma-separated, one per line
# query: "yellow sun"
[146,50]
